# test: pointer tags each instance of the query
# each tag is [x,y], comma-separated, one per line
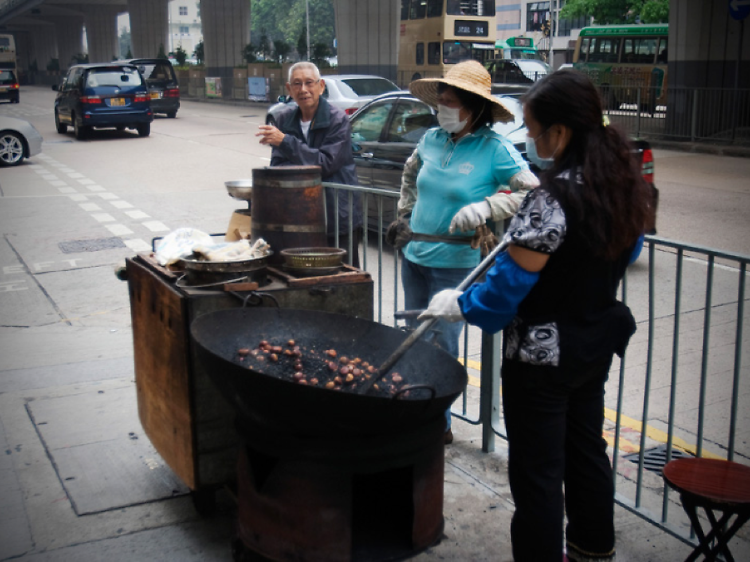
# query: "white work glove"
[444,305]
[470,217]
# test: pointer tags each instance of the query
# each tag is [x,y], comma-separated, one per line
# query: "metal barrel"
[288,208]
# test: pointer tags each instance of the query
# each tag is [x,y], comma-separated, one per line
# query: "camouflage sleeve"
[409,184]
[504,204]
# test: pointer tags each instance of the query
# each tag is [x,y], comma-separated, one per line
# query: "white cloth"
[444,305]
[305,126]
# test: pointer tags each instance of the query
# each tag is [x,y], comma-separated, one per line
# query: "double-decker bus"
[7,52]
[435,34]
[518,48]
[627,62]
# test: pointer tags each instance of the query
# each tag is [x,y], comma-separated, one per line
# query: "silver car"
[18,140]
[346,91]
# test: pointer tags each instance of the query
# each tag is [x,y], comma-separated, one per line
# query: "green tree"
[198,53]
[125,43]
[180,55]
[286,20]
[281,49]
[606,12]
[320,52]
[161,54]
[302,44]
[248,53]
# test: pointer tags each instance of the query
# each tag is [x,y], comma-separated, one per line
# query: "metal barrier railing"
[718,115]
[681,389]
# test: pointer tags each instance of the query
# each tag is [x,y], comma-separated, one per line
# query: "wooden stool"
[714,485]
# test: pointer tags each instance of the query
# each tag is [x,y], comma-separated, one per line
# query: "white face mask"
[449,119]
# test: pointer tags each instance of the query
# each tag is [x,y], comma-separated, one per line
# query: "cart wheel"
[204,501]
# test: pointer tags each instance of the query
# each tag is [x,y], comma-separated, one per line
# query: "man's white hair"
[304,65]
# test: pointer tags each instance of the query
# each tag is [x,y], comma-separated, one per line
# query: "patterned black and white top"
[540,226]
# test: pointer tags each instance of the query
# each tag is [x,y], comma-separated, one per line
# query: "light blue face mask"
[533,156]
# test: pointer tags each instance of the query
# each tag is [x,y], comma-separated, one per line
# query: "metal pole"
[307,13]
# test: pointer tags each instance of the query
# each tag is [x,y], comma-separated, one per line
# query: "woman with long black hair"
[555,292]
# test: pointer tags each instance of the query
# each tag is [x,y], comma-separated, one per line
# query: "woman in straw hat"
[554,292]
[458,177]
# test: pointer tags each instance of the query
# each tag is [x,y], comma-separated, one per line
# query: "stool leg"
[723,538]
[703,544]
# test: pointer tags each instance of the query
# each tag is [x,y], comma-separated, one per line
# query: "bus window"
[418,9]
[404,10]
[433,53]
[435,8]
[471,8]
[661,57]
[456,52]
[603,49]
[420,54]
[639,50]
[585,44]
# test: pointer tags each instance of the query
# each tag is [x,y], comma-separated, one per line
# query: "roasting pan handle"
[407,388]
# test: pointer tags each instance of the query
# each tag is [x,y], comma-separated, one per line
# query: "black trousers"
[554,422]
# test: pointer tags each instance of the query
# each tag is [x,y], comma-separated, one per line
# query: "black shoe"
[448,437]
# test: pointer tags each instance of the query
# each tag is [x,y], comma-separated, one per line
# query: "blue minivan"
[103,95]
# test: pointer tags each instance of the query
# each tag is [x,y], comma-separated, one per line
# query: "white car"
[18,140]
[532,68]
[346,91]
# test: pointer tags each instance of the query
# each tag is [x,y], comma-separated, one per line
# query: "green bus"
[517,48]
[626,61]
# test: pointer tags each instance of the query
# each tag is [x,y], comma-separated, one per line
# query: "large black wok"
[317,411]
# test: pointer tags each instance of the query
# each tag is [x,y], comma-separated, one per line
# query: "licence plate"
[117,102]
[155,95]
[3,88]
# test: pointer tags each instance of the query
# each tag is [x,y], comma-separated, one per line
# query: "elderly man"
[314,133]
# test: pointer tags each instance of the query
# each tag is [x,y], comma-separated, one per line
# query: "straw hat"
[468,75]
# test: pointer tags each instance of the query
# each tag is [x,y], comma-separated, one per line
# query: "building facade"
[184,25]
[527,19]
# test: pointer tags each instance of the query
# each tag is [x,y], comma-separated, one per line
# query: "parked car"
[18,140]
[347,91]
[103,95]
[163,86]
[533,68]
[9,86]
[387,129]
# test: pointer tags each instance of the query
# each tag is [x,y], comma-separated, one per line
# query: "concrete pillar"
[101,32]
[149,27]
[226,31]
[69,32]
[707,49]
[368,38]
[44,46]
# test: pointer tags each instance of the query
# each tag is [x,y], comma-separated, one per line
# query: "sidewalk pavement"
[79,480]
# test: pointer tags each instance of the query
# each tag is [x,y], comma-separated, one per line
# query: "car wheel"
[11,148]
[62,128]
[271,121]
[80,131]
[171,114]
[144,130]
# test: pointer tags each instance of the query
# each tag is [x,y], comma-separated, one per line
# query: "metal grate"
[655,459]
[76,246]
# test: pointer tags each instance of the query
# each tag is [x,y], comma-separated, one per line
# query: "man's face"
[305,89]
